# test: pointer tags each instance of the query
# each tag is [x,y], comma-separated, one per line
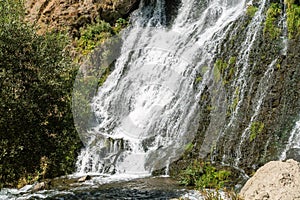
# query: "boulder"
[84,178]
[275,180]
[39,186]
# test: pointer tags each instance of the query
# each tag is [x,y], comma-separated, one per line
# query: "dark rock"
[293,153]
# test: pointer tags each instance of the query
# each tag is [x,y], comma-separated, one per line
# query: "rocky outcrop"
[73,14]
[275,180]
[39,186]
[84,178]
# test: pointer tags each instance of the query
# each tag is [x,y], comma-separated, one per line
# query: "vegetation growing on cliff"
[37,134]
[271,30]
[256,129]
[203,175]
[251,10]
[293,18]
[96,33]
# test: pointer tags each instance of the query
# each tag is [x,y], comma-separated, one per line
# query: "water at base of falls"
[98,187]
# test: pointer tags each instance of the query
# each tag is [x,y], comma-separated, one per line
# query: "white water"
[293,142]
[284,36]
[147,109]
[243,60]
[261,93]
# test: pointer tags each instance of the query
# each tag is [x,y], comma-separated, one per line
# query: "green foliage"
[36,123]
[198,79]
[85,88]
[204,69]
[211,195]
[270,29]
[251,10]
[96,33]
[221,66]
[11,11]
[189,147]
[93,35]
[216,195]
[293,19]
[232,61]
[224,69]
[203,175]
[256,129]
[104,76]
[236,99]
[234,103]
[120,24]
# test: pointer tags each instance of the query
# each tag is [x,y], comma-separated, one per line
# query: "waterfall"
[147,110]
[261,94]
[293,142]
[285,29]
[242,82]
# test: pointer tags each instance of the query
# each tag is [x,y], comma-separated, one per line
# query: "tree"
[37,133]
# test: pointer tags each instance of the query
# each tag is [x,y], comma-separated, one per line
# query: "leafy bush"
[120,24]
[37,135]
[270,28]
[96,33]
[203,175]
[93,35]
[256,129]
[251,10]
[216,195]
[293,19]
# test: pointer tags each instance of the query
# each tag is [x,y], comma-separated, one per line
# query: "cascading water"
[249,90]
[293,142]
[261,94]
[147,110]
[211,71]
[285,30]
[242,82]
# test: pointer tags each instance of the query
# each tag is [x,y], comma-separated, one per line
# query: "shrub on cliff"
[203,175]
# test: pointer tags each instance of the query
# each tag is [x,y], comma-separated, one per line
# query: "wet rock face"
[275,180]
[279,95]
[73,14]
[293,153]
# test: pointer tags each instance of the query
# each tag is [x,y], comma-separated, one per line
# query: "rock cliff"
[73,14]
